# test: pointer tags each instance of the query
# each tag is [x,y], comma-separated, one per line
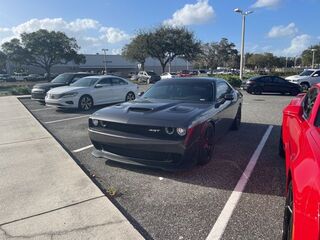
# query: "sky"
[283,27]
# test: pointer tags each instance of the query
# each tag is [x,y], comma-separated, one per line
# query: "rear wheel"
[288,215]
[85,103]
[305,86]
[206,146]
[237,120]
[130,97]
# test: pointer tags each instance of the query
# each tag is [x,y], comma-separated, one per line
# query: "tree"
[219,54]
[136,50]
[3,61]
[43,49]
[165,43]
[307,55]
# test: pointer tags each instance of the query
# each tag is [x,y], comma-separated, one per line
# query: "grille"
[142,154]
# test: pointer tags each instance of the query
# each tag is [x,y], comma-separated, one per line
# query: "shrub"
[20,91]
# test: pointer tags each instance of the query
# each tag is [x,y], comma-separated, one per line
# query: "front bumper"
[143,151]
[38,95]
[62,102]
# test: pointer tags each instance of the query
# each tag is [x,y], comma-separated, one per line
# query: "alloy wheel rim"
[208,145]
[86,103]
[130,97]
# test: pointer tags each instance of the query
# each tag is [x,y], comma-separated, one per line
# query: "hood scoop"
[140,109]
[181,109]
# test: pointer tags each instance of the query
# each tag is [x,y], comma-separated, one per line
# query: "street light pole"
[105,60]
[313,55]
[243,14]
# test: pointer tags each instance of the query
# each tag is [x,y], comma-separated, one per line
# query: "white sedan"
[167,75]
[90,91]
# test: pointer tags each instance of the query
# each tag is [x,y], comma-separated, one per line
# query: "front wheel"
[206,146]
[130,97]
[257,91]
[85,103]
[288,215]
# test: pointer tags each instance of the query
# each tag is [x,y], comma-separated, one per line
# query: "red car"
[300,144]
[185,73]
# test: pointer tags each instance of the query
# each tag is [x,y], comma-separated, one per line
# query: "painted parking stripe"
[82,149]
[40,109]
[66,119]
[224,217]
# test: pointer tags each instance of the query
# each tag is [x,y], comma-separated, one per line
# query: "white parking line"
[82,149]
[224,217]
[40,109]
[66,119]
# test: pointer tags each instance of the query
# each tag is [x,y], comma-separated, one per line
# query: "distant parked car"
[34,77]
[271,84]
[148,77]
[19,76]
[185,73]
[306,79]
[39,91]
[7,78]
[168,75]
[90,91]
[300,145]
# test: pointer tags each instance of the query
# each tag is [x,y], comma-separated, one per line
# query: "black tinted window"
[105,81]
[222,89]
[278,80]
[267,79]
[118,81]
[308,102]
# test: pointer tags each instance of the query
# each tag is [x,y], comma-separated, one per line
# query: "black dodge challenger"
[174,125]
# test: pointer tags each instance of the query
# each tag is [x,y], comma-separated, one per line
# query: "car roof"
[102,76]
[193,79]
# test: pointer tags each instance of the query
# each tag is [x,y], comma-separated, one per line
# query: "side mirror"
[98,86]
[228,97]
[140,94]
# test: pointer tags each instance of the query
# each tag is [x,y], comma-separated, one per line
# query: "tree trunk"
[163,65]
[48,72]
[142,66]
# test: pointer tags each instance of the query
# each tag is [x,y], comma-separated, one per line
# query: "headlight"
[169,130]
[95,122]
[181,131]
[103,124]
[72,94]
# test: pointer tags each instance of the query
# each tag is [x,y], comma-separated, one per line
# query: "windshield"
[85,82]
[185,91]
[306,73]
[151,73]
[62,78]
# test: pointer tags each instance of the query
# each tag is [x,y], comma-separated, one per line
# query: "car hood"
[296,77]
[154,113]
[48,85]
[65,89]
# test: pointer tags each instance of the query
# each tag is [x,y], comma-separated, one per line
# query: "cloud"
[192,14]
[113,35]
[89,33]
[283,31]
[266,3]
[298,44]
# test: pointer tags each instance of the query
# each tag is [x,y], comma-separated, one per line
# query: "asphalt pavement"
[187,204]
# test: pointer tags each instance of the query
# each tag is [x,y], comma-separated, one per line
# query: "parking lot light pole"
[313,55]
[243,14]
[105,60]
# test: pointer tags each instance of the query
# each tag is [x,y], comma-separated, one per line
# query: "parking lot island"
[44,194]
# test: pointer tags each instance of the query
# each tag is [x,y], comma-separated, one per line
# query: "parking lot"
[187,204]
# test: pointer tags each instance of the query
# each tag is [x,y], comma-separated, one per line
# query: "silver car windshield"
[306,73]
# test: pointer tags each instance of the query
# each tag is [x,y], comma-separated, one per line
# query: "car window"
[308,102]
[278,80]
[316,74]
[118,81]
[222,89]
[266,79]
[105,81]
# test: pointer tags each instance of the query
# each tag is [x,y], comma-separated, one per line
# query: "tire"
[281,147]
[85,103]
[257,91]
[305,86]
[288,215]
[206,146]
[237,120]
[130,97]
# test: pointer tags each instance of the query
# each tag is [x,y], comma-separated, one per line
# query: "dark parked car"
[174,125]
[40,90]
[271,84]
[7,78]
